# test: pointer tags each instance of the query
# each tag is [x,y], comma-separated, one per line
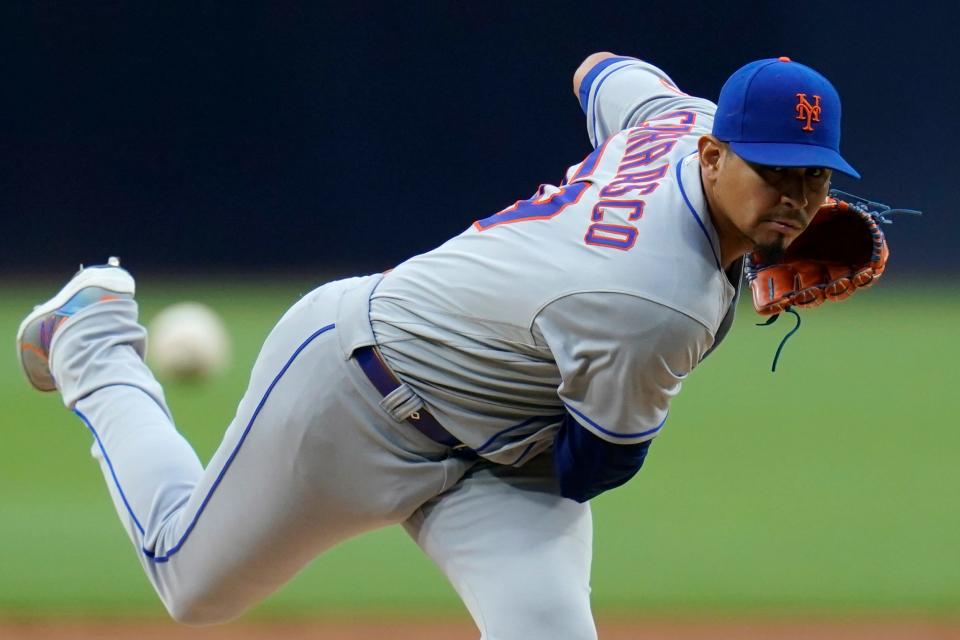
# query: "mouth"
[785,225]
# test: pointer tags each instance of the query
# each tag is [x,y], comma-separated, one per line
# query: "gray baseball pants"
[312,458]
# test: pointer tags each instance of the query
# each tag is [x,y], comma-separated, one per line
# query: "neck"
[733,244]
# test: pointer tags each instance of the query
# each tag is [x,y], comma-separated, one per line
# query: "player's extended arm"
[617,92]
[589,63]
[586,465]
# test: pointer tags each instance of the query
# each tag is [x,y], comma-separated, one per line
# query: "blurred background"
[284,135]
[242,154]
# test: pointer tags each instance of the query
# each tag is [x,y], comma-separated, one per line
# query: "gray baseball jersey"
[595,297]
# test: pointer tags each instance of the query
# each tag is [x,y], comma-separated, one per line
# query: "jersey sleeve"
[619,92]
[621,358]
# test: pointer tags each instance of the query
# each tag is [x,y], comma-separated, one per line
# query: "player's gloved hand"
[842,250]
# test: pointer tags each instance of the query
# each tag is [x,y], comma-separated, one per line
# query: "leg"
[309,460]
[517,553]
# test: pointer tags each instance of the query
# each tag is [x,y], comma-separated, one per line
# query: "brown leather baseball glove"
[843,249]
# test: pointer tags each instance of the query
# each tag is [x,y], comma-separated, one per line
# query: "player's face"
[763,207]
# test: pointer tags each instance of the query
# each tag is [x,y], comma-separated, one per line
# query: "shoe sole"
[114,279]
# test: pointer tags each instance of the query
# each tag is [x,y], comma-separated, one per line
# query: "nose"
[793,192]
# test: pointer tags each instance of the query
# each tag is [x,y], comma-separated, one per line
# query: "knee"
[543,614]
[198,614]
[202,606]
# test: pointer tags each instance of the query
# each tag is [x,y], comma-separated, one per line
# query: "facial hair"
[772,252]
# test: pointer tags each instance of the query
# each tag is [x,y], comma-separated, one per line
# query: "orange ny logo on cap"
[807,111]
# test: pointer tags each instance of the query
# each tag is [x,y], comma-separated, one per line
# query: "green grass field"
[828,488]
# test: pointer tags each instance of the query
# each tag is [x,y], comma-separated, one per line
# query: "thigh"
[517,553]
[309,460]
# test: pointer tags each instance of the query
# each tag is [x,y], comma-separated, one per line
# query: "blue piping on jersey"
[586,86]
[696,215]
[524,454]
[614,434]
[492,438]
[216,483]
[588,79]
[96,436]
[113,472]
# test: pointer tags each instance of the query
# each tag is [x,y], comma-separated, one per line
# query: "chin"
[771,252]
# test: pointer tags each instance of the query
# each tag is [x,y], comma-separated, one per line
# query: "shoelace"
[773,319]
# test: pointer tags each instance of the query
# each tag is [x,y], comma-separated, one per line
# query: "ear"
[711,157]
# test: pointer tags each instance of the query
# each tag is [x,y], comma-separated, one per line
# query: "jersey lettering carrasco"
[460,324]
[638,173]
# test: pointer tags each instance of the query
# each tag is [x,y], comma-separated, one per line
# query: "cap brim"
[782,154]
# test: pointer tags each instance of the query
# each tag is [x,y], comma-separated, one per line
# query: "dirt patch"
[408,630]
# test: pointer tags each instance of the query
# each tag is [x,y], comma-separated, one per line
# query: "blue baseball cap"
[781,113]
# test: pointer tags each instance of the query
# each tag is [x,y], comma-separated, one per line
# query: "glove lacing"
[877,210]
[773,319]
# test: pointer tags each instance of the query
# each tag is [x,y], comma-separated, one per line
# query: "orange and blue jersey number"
[538,207]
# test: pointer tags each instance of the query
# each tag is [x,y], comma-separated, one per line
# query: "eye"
[818,176]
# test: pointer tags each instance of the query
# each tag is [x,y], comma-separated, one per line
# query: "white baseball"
[188,340]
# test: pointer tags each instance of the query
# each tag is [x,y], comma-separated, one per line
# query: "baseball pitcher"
[482,393]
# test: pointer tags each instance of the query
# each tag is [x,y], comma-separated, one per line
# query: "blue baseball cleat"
[89,286]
